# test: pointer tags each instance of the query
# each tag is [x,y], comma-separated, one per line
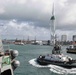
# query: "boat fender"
[15,64]
[14,53]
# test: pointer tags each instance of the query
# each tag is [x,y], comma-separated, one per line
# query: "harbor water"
[28,54]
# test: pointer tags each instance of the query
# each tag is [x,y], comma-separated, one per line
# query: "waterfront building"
[74,38]
[63,38]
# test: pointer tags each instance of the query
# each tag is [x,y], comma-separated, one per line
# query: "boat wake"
[54,68]
[34,63]
[61,70]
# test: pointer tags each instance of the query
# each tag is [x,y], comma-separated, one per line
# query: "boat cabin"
[56,49]
[72,47]
[56,57]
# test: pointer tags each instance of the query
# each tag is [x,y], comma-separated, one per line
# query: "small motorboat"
[56,58]
[71,49]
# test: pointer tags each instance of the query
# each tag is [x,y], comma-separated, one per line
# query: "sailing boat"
[56,58]
[7,60]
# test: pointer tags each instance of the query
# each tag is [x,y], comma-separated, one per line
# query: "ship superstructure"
[7,60]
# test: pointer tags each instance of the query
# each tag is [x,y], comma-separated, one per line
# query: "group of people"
[56,49]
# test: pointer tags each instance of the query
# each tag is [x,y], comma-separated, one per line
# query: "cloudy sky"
[23,18]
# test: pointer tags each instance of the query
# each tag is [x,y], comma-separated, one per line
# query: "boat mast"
[1,46]
[52,28]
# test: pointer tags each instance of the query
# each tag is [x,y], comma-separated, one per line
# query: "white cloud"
[14,29]
[70,16]
[63,2]
[20,30]
[2,10]
[36,14]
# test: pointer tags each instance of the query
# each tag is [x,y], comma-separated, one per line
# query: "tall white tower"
[52,27]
